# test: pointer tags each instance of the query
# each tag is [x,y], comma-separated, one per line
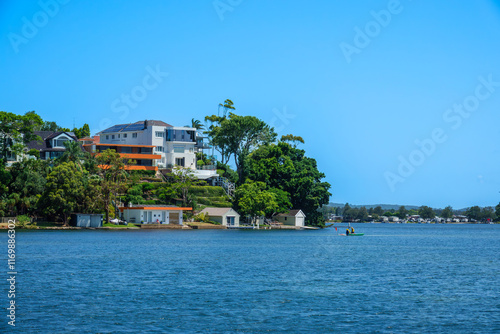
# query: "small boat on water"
[349,233]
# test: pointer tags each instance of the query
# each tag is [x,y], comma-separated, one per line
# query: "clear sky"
[365,83]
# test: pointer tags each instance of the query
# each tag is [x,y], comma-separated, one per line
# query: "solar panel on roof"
[114,128]
[134,127]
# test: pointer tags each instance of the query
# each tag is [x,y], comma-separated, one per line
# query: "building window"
[112,136]
[179,162]
[178,149]
[118,135]
[191,150]
[107,137]
[160,134]
[159,148]
[134,135]
[124,135]
[60,142]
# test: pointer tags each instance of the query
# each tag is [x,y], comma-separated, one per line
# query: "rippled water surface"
[396,279]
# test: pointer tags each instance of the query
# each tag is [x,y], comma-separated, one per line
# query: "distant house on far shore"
[292,217]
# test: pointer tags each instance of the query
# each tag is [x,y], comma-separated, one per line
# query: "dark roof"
[55,134]
[137,126]
[291,213]
[43,134]
[43,143]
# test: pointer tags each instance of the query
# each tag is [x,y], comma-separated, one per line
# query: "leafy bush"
[202,217]
[144,173]
[24,222]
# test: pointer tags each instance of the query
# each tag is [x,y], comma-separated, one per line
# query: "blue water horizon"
[397,278]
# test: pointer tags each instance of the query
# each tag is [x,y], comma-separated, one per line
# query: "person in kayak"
[352,230]
[347,231]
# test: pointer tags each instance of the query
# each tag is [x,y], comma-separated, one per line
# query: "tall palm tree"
[74,152]
[196,123]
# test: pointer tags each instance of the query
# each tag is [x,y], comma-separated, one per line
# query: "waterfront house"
[224,216]
[292,217]
[51,144]
[154,145]
[151,214]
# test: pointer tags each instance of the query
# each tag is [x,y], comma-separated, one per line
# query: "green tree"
[497,211]
[82,132]
[255,201]
[63,191]
[182,180]
[28,181]
[402,212]
[362,214]
[74,152]
[16,131]
[237,136]
[284,167]
[426,212]
[378,211]
[195,123]
[447,212]
[292,139]
[216,139]
[473,213]
[488,213]
[282,199]
[48,126]
[346,212]
[111,176]
[412,212]
[244,134]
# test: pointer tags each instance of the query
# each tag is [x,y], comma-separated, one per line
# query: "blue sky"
[360,112]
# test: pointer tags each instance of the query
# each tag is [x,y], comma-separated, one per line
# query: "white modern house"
[163,145]
[224,216]
[292,217]
[151,214]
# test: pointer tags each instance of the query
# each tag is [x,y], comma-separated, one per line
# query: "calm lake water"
[402,278]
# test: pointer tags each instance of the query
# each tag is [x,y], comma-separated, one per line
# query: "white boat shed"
[224,216]
[292,217]
[152,214]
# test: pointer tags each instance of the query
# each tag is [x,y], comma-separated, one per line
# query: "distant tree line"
[362,214]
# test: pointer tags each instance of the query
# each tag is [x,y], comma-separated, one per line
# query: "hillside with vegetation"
[271,175]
